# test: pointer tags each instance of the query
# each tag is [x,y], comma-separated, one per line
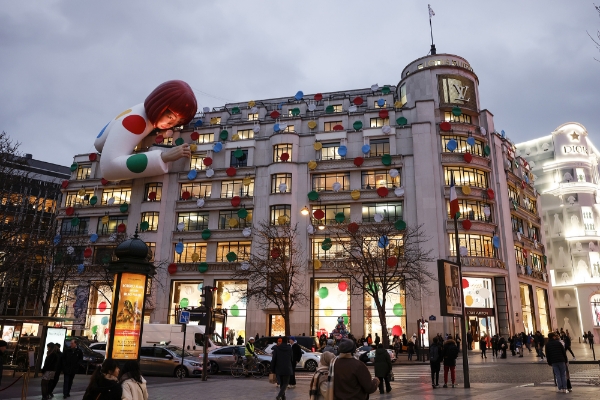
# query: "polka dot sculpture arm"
[117,142]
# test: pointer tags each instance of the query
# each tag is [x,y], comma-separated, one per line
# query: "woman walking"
[104,384]
[383,368]
[450,355]
[48,370]
[132,382]
[435,359]
[318,384]
[483,347]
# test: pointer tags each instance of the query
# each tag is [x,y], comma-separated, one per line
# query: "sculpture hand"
[176,153]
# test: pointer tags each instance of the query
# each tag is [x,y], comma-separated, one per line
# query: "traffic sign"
[432,317]
[184,317]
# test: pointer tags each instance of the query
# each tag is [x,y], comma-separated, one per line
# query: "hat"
[346,346]
[251,338]
[326,358]
[293,338]
[330,341]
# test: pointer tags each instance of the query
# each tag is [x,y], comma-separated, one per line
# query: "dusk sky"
[68,67]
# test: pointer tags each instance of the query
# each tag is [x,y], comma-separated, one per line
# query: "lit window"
[377,179]
[189,249]
[331,211]
[466,177]
[153,191]
[253,117]
[215,121]
[379,147]
[197,162]
[471,209]
[321,182]
[403,98]
[226,217]
[279,149]
[462,145]
[196,190]
[152,219]
[391,212]
[279,179]
[464,118]
[73,199]
[120,195]
[328,126]
[379,122]
[168,141]
[205,138]
[375,105]
[329,151]
[237,188]
[112,224]
[477,245]
[193,221]
[289,128]
[241,250]
[83,172]
[245,134]
[281,214]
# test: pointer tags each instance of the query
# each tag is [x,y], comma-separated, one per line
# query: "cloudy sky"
[69,66]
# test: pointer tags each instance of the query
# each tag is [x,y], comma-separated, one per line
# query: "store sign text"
[575,150]
[482,262]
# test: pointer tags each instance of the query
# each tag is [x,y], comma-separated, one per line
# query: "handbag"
[48,375]
[272,378]
[391,376]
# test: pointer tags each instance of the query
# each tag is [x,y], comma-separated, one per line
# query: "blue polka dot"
[102,131]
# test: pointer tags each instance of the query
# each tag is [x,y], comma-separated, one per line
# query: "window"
[215,121]
[237,188]
[580,172]
[534,232]
[536,262]
[241,249]
[83,172]
[331,210]
[391,212]
[121,195]
[464,118]
[152,219]
[531,205]
[322,182]
[226,219]
[153,191]
[517,224]
[67,228]
[190,290]
[196,190]
[111,225]
[327,310]
[376,179]
[466,176]
[281,214]
[471,209]
[245,134]
[189,249]
[379,122]
[289,128]
[239,162]
[328,126]
[103,254]
[333,108]
[279,149]
[395,312]
[204,137]
[588,219]
[152,252]
[477,245]
[278,179]
[336,252]
[193,221]
[197,162]
[252,116]
[542,297]
[462,146]
[379,147]
[403,98]
[520,256]
[375,105]
[330,151]
[513,195]
[527,307]
[73,199]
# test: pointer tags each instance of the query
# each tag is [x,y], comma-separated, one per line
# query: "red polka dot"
[135,124]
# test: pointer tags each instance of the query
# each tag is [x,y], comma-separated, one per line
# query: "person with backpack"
[435,359]
[383,368]
[450,353]
[104,383]
[132,382]
[319,387]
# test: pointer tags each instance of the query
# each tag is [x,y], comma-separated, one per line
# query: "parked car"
[166,361]
[221,359]
[99,347]
[371,355]
[309,361]
[309,342]
[91,358]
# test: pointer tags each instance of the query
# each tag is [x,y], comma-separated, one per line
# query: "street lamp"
[304,211]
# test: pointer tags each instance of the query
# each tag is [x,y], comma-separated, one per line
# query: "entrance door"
[481,326]
[276,325]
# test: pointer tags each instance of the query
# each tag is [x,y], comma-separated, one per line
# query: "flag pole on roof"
[431,14]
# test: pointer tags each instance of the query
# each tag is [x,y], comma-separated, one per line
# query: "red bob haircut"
[176,96]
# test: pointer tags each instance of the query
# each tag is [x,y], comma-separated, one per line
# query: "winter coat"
[296,353]
[71,360]
[331,349]
[383,363]
[435,354]
[51,362]
[351,379]
[567,340]
[411,347]
[450,353]
[281,361]
[133,390]
[108,389]
[482,344]
[555,352]
[494,343]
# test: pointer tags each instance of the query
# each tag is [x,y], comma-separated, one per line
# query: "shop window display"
[395,311]
[331,301]
[527,308]
[184,294]
[229,298]
[99,313]
[479,307]
[595,303]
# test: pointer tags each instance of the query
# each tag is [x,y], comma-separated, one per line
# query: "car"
[91,359]
[166,361]
[221,359]
[371,355]
[309,361]
[309,342]
[99,347]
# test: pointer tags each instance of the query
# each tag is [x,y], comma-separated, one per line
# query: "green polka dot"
[179,141]
[137,163]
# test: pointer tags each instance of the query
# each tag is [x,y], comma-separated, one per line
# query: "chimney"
[28,156]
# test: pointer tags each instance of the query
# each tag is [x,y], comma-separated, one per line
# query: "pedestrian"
[584,337]
[411,349]
[132,382]
[557,359]
[435,359]
[318,384]
[457,340]
[296,357]
[59,366]
[48,370]
[590,339]
[494,342]
[502,346]
[397,345]
[352,379]
[470,340]
[450,353]
[383,368]
[281,365]
[369,339]
[567,340]
[519,344]
[377,339]
[72,357]
[240,340]
[529,340]
[3,345]
[483,347]
[104,383]
[330,347]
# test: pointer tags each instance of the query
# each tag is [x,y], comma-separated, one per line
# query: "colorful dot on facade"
[137,163]
[135,124]
[102,131]
[123,113]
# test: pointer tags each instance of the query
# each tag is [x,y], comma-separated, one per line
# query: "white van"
[172,334]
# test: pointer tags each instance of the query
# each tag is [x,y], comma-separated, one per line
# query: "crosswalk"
[588,377]
[401,373]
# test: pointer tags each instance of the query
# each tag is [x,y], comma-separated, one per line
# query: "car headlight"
[87,358]
[194,364]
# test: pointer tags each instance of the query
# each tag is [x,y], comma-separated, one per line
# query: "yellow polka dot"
[123,113]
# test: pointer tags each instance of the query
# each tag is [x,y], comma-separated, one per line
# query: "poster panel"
[82,295]
[53,335]
[126,342]
[450,289]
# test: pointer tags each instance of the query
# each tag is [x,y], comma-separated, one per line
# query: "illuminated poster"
[126,340]
[82,295]
[450,289]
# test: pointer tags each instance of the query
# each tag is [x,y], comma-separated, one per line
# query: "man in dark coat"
[351,378]
[470,340]
[450,353]
[281,365]
[383,367]
[59,365]
[72,357]
[557,359]
[296,357]
[494,342]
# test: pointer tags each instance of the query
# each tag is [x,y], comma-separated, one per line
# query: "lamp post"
[129,297]
[306,212]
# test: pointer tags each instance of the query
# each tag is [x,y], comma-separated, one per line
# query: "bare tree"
[273,271]
[378,258]
[597,39]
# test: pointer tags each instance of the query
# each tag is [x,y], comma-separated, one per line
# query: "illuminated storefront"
[331,301]
[184,294]
[229,298]
[479,307]
[395,312]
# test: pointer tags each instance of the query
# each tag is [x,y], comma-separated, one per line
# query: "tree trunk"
[385,339]
[286,319]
